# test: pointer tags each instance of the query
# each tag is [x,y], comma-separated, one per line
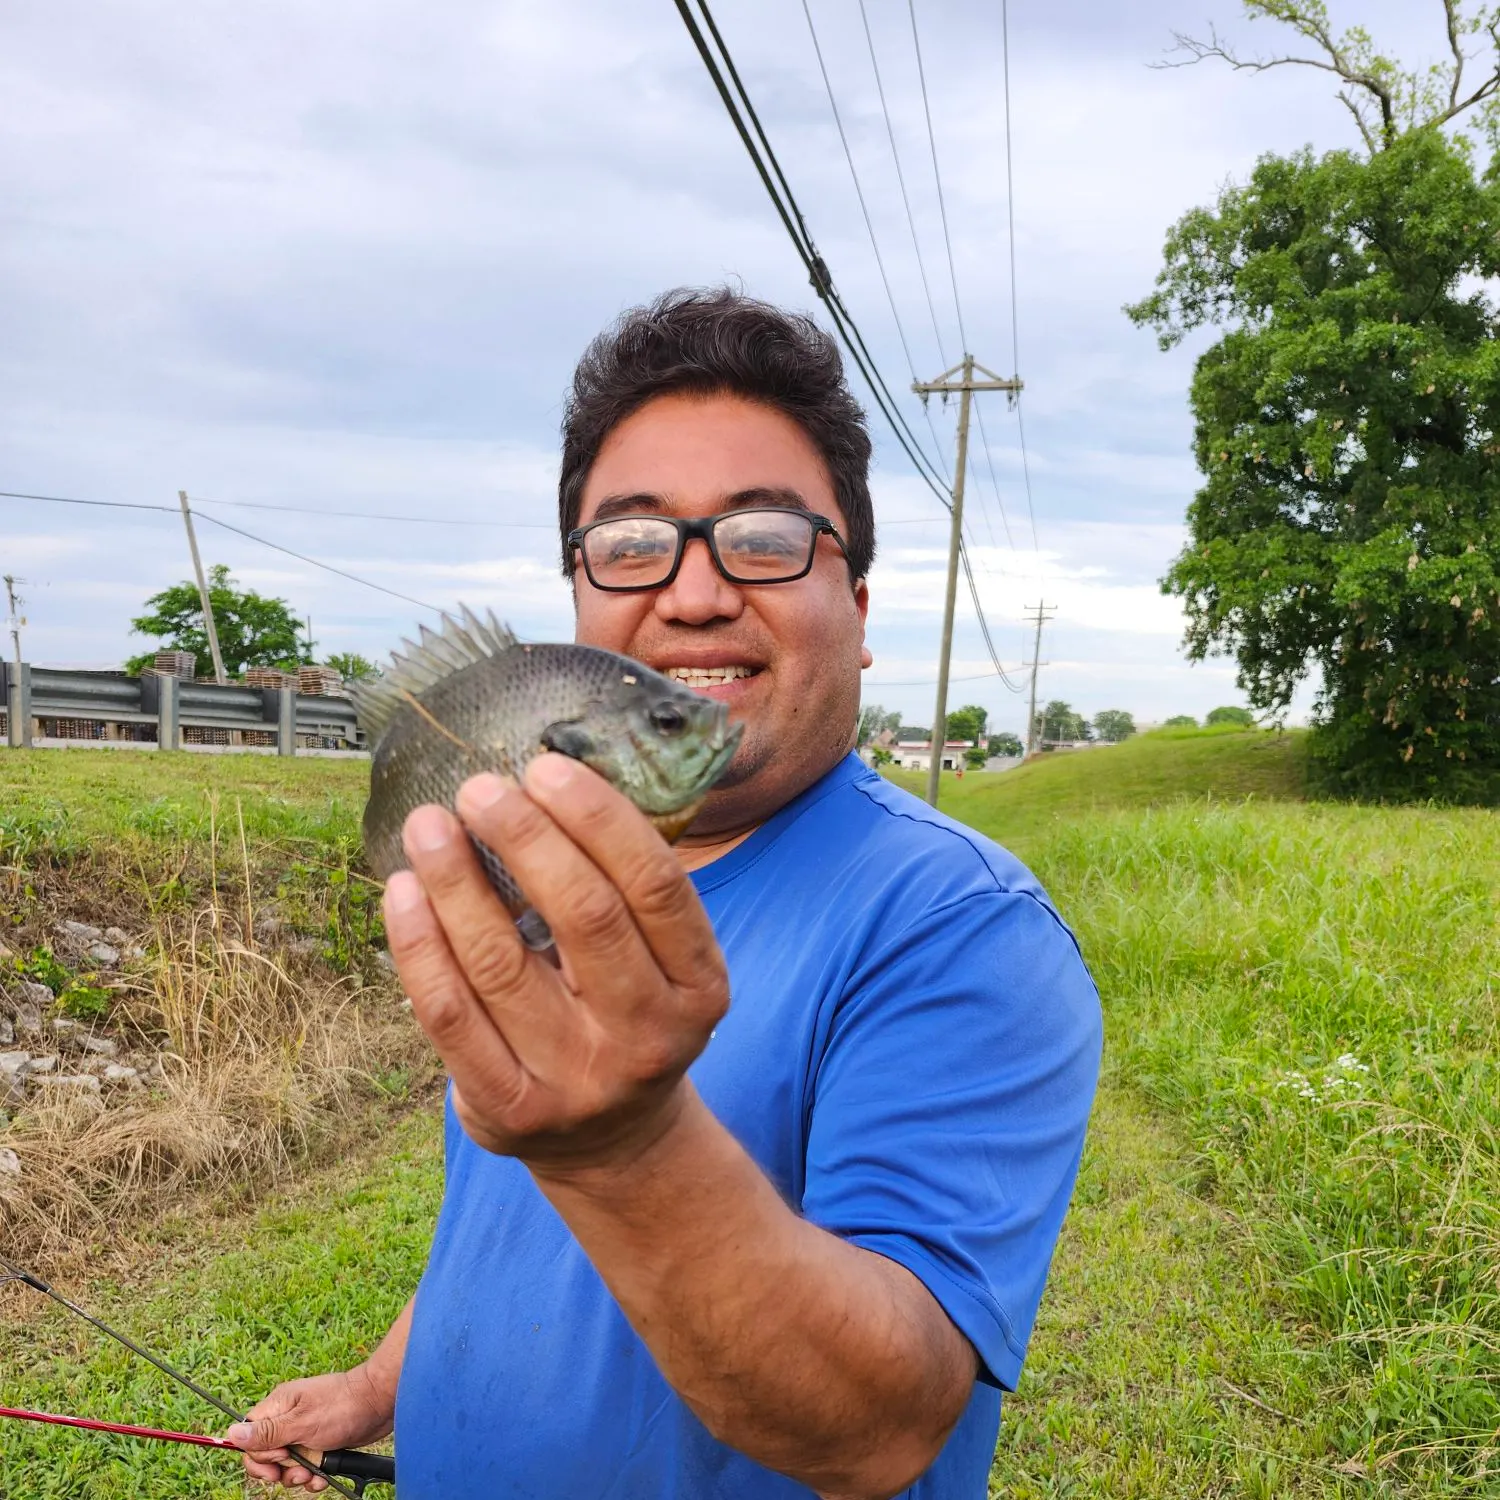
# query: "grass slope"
[1148,770]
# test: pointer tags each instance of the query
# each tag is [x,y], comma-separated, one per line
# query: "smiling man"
[752,1194]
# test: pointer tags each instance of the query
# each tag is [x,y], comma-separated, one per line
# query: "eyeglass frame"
[702,527]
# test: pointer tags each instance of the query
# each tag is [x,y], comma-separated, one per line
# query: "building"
[916,755]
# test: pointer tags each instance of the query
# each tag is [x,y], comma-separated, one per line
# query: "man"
[754,1194]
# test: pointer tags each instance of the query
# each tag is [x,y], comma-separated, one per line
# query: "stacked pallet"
[319,682]
[269,677]
[176,664]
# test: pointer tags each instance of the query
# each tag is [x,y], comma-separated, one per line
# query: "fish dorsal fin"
[435,655]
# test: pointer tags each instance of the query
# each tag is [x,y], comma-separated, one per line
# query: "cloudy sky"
[342,258]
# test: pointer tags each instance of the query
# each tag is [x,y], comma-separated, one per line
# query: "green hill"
[1150,770]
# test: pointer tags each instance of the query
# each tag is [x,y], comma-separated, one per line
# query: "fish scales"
[473,699]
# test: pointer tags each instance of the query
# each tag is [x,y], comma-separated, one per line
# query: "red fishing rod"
[335,1465]
[363,1468]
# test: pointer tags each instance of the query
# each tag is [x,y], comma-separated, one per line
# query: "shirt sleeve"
[949,1109]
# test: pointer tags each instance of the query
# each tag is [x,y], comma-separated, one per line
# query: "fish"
[471,698]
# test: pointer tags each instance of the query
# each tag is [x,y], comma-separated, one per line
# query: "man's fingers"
[442,999]
[621,842]
[586,912]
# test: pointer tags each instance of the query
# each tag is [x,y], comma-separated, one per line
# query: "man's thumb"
[260,1434]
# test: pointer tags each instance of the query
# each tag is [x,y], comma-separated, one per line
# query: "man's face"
[790,653]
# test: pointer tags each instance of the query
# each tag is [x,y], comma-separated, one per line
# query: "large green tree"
[1059,724]
[1348,419]
[253,631]
[968,722]
[1113,725]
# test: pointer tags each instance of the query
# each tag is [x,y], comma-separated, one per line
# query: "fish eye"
[668,718]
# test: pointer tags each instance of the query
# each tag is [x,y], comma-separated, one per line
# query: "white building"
[916,755]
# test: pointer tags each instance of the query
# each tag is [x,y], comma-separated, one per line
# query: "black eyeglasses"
[625,554]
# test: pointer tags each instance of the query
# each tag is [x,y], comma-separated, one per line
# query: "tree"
[353,667]
[1113,725]
[968,723]
[1180,721]
[1348,422]
[875,721]
[1385,99]
[254,631]
[1006,744]
[975,757]
[1058,724]
[1240,716]
[881,756]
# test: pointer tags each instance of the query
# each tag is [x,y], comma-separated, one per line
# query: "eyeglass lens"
[754,546]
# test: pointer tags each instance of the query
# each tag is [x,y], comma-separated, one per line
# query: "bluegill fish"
[472,698]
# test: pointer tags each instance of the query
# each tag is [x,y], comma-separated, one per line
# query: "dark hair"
[713,341]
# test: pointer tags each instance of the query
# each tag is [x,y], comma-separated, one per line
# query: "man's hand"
[342,1410]
[577,1065]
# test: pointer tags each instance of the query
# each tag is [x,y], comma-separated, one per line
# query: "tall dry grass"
[264,1058]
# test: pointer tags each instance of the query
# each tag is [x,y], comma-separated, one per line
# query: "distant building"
[916,755]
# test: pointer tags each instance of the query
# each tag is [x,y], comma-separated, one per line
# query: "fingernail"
[480,793]
[240,1432]
[403,893]
[429,829]
[551,773]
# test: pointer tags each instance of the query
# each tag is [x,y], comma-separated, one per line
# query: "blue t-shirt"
[910,1054]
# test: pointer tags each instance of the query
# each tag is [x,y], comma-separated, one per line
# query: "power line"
[937,175]
[366,515]
[313,562]
[817,268]
[214,521]
[1010,209]
[70,500]
[869,224]
[901,180]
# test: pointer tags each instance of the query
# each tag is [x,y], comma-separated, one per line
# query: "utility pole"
[16,622]
[1036,661]
[966,385]
[208,608]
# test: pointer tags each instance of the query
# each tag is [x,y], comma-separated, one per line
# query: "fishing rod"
[333,1465]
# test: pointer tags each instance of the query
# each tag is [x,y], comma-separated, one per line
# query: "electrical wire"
[1010,209]
[817,268]
[901,180]
[370,515]
[173,510]
[870,226]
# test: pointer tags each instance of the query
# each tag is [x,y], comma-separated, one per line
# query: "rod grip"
[351,1463]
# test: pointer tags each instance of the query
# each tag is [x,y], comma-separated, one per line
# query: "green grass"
[66,800]
[1149,770]
[1279,1275]
[308,1284]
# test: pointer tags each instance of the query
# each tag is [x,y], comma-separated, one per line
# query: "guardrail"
[43,703]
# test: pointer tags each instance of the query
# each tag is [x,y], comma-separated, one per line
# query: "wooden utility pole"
[965,385]
[16,622]
[1036,661]
[208,608]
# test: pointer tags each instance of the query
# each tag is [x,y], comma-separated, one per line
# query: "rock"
[103,954]
[36,994]
[13,1077]
[10,1163]
[384,960]
[80,932]
[5,952]
[7,1031]
[99,1046]
[64,1026]
[117,937]
[119,1073]
[40,1065]
[82,1083]
[29,1019]
[305,947]
[13,1062]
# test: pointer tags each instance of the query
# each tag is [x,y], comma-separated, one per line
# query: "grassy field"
[1281,1275]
